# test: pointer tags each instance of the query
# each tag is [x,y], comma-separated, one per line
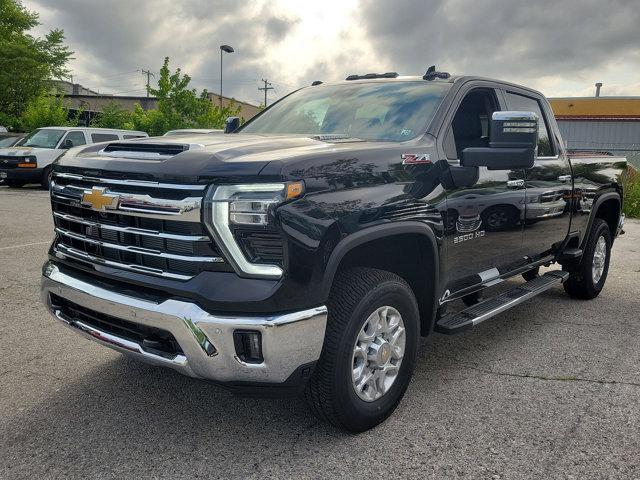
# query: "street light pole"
[228,49]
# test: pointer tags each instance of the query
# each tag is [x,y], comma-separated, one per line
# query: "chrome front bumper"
[288,340]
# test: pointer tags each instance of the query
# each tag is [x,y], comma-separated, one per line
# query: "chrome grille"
[155,228]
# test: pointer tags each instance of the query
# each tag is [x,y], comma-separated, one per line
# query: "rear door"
[484,218]
[548,182]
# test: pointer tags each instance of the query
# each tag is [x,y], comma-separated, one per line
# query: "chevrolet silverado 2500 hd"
[308,249]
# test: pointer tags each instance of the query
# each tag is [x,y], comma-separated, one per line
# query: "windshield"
[390,111]
[45,138]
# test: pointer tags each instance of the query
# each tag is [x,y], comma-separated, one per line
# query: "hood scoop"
[145,151]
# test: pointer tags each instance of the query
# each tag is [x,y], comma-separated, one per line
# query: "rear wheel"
[587,279]
[369,350]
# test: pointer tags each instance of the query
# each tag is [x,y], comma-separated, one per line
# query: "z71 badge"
[415,159]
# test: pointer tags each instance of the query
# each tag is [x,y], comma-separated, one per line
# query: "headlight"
[250,206]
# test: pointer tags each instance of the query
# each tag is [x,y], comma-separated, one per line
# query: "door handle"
[515,183]
[564,178]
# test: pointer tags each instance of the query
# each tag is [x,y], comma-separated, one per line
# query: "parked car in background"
[9,139]
[30,162]
[192,131]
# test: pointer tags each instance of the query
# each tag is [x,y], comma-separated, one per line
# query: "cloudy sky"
[561,47]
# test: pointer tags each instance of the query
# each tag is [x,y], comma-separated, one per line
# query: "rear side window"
[528,104]
[103,137]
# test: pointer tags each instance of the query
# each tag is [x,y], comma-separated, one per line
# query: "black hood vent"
[147,151]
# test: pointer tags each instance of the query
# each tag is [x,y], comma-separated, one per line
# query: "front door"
[548,184]
[485,218]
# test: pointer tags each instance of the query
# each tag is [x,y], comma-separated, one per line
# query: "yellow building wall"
[596,107]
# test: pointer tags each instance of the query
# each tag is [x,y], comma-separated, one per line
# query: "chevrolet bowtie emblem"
[98,199]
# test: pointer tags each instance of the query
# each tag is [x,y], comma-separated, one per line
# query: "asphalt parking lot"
[550,389]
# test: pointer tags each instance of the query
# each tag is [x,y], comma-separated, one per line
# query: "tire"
[531,274]
[581,283]
[46,177]
[332,392]
[14,183]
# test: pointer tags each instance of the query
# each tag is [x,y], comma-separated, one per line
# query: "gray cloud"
[121,36]
[539,43]
[522,41]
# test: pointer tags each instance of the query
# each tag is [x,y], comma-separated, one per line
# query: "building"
[600,124]
[92,102]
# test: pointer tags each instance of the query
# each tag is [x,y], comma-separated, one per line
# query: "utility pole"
[265,88]
[148,74]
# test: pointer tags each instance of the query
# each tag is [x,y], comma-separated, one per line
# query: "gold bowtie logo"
[97,199]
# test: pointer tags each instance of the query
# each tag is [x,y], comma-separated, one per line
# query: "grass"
[631,185]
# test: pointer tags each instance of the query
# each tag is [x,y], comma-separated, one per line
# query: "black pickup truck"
[308,249]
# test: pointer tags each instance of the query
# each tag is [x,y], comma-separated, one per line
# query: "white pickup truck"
[31,161]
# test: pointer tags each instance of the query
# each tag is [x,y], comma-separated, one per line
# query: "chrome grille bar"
[139,250]
[136,183]
[143,205]
[132,230]
[65,251]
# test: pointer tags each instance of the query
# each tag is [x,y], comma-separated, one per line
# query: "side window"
[103,137]
[73,139]
[528,104]
[470,125]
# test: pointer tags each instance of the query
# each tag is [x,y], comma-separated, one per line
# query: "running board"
[465,319]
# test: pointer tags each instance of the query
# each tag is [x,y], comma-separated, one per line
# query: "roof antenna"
[430,70]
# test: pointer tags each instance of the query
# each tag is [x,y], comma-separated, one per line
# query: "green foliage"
[631,185]
[47,110]
[26,62]
[113,116]
[179,106]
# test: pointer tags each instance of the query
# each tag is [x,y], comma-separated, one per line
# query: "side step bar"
[466,319]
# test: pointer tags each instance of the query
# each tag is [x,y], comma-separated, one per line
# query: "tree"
[27,63]
[113,116]
[181,107]
[47,110]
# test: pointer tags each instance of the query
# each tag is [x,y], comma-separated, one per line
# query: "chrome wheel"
[378,353]
[599,259]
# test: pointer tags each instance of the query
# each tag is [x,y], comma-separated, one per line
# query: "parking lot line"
[24,245]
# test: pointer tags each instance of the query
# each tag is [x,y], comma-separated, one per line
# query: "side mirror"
[67,144]
[512,143]
[232,124]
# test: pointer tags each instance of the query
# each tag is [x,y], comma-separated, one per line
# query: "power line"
[265,88]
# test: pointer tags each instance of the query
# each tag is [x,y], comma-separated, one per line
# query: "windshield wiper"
[336,137]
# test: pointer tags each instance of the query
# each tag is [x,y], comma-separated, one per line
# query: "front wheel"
[587,280]
[369,350]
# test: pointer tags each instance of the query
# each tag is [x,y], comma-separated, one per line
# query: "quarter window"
[528,104]
[103,137]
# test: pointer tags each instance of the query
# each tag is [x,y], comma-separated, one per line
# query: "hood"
[20,151]
[197,158]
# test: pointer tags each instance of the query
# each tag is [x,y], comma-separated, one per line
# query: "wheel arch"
[608,207]
[409,249]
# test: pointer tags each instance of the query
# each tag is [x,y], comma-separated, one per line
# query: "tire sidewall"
[602,230]
[356,413]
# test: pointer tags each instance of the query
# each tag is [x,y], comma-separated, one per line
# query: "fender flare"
[594,210]
[376,232]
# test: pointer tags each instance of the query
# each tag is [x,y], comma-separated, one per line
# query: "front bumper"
[27,175]
[289,341]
